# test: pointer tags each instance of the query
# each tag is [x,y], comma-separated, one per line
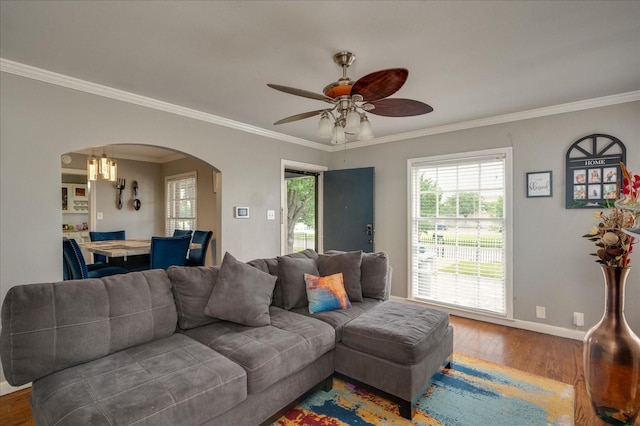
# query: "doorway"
[301,209]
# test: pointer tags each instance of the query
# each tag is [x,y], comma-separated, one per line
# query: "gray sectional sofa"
[224,345]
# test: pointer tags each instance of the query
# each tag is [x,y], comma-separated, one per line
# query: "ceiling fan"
[350,101]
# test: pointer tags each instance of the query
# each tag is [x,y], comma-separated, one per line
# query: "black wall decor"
[593,171]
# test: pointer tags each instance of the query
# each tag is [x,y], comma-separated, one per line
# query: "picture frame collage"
[595,184]
[593,171]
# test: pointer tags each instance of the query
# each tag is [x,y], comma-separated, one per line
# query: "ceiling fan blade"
[380,84]
[299,117]
[303,93]
[396,107]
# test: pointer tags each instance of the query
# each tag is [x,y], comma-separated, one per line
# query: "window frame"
[172,178]
[508,230]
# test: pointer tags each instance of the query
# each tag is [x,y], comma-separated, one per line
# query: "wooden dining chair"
[75,268]
[197,257]
[168,251]
[105,236]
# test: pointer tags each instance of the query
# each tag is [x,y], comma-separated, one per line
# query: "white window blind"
[457,231]
[181,199]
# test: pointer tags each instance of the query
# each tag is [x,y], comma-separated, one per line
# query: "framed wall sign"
[539,184]
[593,171]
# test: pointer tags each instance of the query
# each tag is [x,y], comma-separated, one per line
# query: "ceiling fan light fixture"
[338,135]
[324,126]
[366,132]
[352,125]
[351,100]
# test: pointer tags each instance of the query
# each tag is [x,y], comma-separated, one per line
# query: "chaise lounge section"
[225,345]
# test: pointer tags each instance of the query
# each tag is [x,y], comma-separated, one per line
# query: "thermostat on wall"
[241,212]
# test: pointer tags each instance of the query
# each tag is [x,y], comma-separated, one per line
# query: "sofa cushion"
[374,276]
[326,293]
[291,272]
[270,265]
[338,318]
[270,353]
[171,381]
[396,331]
[349,264]
[192,287]
[241,294]
[52,326]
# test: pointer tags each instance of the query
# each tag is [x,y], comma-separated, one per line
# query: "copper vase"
[611,356]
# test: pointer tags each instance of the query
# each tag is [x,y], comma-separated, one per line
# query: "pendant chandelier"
[104,168]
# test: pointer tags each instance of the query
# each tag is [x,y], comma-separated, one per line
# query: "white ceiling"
[468,59]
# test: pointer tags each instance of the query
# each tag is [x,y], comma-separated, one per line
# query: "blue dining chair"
[181,232]
[105,236]
[168,251]
[197,257]
[75,268]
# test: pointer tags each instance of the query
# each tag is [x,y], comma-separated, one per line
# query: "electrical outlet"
[541,312]
[100,216]
[578,319]
[271,215]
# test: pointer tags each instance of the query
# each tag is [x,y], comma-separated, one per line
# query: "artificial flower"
[613,244]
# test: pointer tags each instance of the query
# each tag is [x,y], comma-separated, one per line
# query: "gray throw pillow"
[374,270]
[291,272]
[241,294]
[347,263]
[191,289]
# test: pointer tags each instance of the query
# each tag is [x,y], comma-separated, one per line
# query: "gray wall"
[39,122]
[551,262]
[140,224]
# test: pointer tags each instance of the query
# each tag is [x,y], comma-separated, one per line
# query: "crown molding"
[28,71]
[500,119]
[46,76]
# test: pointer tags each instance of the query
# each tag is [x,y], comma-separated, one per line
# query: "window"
[458,230]
[181,197]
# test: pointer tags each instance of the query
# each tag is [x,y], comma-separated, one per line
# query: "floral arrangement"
[614,244]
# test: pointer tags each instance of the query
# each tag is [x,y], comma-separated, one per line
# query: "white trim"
[6,388]
[28,71]
[306,167]
[524,325]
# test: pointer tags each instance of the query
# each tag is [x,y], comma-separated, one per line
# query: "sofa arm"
[51,326]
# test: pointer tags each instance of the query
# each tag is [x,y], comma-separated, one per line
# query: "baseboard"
[6,388]
[515,323]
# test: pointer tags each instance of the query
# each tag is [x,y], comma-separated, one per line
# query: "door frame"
[303,167]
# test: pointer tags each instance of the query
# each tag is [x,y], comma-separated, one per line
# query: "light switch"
[271,215]
[100,216]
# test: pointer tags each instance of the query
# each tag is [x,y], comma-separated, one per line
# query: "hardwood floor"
[549,356]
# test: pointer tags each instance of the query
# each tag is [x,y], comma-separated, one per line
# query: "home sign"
[593,171]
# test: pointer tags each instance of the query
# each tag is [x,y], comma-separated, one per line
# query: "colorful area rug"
[473,392]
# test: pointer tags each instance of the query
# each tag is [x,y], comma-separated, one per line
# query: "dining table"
[122,248]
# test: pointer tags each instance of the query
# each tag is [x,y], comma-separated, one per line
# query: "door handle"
[369,229]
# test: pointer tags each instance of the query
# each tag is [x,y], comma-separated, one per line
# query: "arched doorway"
[148,166]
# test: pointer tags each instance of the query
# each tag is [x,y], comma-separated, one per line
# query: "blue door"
[348,209]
